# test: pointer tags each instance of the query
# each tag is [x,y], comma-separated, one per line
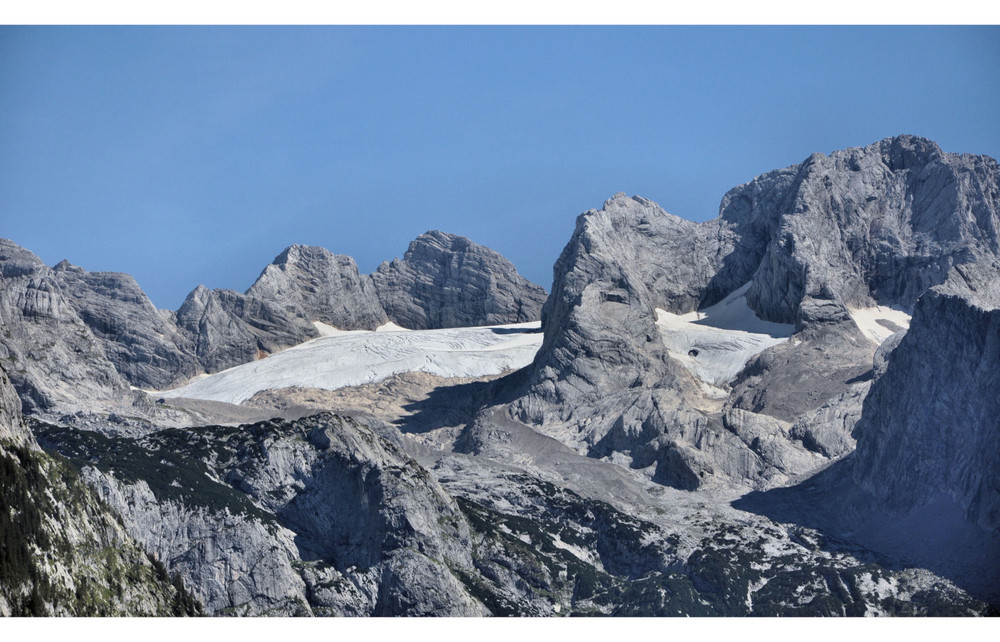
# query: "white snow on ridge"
[717,342]
[880,322]
[327,330]
[350,358]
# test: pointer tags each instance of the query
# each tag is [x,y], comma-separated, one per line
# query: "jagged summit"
[445,281]
[837,323]
[318,285]
[822,245]
[119,333]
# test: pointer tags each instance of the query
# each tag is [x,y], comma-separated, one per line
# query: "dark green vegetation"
[94,568]
[171,461]
[623,566]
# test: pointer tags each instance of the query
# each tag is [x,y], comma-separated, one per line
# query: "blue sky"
[195,155]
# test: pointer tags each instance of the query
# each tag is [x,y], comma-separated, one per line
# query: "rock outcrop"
[318,285]
[324,515]
[12,428]
[228,328]
[447,281]
[49,353]
[142,345]
[931,424]
[804,246]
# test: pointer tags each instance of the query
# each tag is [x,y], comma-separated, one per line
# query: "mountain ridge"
[712,424]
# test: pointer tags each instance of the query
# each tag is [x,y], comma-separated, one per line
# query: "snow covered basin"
[716,343]
[350,358]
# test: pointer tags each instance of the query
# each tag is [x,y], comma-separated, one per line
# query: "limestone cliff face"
[868,226]
[12,428]
[931,423]
[326,515]
[228,328]
[318,285]
[879,224]
[144,347]
[447,281]
[49,353]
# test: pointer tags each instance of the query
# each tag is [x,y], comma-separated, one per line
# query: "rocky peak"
[446,281]
[16,261]
[50,354]
[808,244]
[908,152]
[318,285]
[227,328]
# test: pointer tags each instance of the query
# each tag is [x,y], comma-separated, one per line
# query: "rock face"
[228,328]
[931,423]
[921,486]
[49,353]
[324,515]
[810,243]
[447,281]
[144,347]
[12,428]
[317,285]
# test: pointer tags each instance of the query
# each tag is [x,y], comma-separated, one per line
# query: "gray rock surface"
[864,226]
[144,346]
[318,285]
[64,552]
[234,563]
[447,281]
[12,428]
[323,515]
[228,328]
[49,353]
[931,423]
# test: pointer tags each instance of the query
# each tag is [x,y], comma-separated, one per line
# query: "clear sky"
[195,155]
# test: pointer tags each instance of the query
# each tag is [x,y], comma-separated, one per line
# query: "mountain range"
[790,409]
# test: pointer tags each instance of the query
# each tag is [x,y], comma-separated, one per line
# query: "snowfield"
[716,343]
[880,322]
[350,358]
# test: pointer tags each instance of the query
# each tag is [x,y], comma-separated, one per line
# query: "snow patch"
[351,358]
[389,326]
[717,342]
[880,322]
[326,330]
[577,552]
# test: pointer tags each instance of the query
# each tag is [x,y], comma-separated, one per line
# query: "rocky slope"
[922,484]
[51,356]
[447,281]
[331,515]
[62,551]
[324,515]
[227,328]
[808,246]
